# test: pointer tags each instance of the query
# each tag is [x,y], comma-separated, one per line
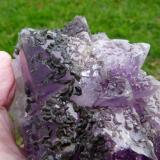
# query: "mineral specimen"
[87,97]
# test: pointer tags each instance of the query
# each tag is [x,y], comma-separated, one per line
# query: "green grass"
[136,20]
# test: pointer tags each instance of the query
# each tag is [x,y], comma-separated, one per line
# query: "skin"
[8,147]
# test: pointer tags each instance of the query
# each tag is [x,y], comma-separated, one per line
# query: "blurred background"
[135,20]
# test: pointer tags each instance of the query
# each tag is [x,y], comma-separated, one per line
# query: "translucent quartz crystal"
[86,96]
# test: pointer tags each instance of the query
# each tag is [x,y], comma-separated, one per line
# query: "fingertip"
[7,79]
[5,59]
[4,55]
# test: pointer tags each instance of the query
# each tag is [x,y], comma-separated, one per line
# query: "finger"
[8,147]
[7,80]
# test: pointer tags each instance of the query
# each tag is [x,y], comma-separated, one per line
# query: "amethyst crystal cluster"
[87,97]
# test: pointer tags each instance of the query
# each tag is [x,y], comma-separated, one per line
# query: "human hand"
[8,147]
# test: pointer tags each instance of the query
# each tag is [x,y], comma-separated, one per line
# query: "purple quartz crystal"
[87,97]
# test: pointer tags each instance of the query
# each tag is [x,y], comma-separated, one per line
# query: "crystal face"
[86,96]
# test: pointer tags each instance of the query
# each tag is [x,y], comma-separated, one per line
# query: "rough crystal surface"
[86,96]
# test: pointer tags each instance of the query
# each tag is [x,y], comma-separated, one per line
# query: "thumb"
[8,147]
[7,80]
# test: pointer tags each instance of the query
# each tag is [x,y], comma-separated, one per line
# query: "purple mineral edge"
[87,97]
